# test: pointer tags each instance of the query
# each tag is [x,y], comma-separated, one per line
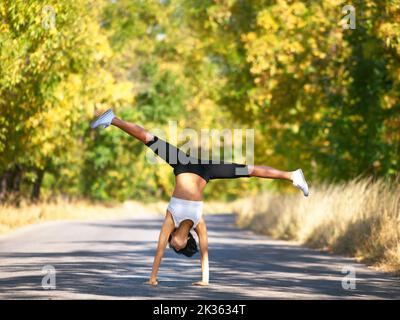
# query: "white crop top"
[185,209]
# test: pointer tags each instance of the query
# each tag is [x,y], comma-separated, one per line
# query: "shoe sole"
[302,175]
[94,125]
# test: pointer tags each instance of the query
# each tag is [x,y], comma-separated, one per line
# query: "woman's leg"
[171,154]
[133,129]
[269,172]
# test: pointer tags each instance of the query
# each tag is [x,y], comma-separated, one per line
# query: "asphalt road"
[112,260]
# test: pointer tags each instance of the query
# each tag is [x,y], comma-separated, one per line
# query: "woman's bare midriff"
[189,186]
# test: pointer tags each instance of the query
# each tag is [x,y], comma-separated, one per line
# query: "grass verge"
[360,218]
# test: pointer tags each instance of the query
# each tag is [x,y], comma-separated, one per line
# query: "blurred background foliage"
[319,96]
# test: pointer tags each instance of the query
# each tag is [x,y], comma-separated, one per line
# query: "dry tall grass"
[359,218]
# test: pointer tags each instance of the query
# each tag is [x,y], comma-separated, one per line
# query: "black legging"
[182,162]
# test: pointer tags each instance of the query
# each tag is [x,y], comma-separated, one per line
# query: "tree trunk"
[38,183]
[16,179]
[3,185]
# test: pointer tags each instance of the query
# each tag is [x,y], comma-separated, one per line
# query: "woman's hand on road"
[200,283]
[152,282]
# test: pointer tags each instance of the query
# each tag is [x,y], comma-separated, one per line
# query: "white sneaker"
[300,182]
[104,120]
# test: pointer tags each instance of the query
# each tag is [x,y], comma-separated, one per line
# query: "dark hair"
[189,250]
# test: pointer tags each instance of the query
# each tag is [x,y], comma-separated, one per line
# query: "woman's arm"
[166,229]
[201,231]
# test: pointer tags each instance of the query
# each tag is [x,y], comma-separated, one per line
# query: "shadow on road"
[242,266]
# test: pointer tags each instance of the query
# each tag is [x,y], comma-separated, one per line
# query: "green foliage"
[318,96]
[323,97]
[163,99]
